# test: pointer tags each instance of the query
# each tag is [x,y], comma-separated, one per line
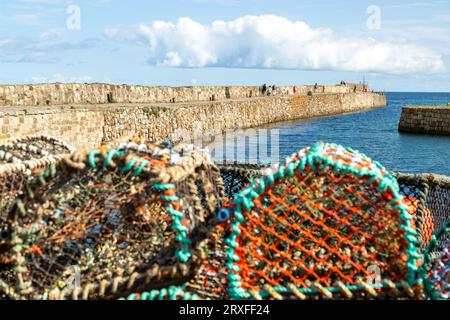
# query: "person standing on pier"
[264,89]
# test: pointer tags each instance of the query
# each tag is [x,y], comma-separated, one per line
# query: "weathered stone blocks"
[88,127]
[427,119]
[96,93]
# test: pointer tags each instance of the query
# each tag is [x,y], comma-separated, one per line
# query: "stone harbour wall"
[80,128]
[89,126]
[66,94]
[426,119]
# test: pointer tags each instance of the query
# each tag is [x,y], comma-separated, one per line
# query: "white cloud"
[44,48]
[58,77]
[269,41]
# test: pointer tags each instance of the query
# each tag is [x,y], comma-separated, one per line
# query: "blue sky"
[395,45]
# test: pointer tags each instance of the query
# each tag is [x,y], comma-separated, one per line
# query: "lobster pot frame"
[31,148]
[170,293]
[109,222]
[321,225]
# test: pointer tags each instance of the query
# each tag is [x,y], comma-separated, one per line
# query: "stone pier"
[426,119]
[88,115]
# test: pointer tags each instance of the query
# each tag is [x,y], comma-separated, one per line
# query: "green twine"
[171,293]
[182,254]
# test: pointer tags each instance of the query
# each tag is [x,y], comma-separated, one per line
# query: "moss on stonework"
[154,111]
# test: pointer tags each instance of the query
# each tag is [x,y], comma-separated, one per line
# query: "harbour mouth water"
[374,133]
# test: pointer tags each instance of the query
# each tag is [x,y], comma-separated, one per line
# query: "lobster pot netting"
[211,279]
[237,176]
[427,197]
[18,158]
[110,222]
[424,196]
[436,267]
[327,223]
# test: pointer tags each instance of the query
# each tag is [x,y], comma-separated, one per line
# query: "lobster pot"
[31,148]
[439,276]
[436,267]
[211,281]
[18,158]
[426,196]
[110,222]
[326,223]
[428,199]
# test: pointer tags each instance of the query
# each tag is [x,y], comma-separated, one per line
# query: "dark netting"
[19,157]
[110,222]
[237,176]
[10,187]
[428,198]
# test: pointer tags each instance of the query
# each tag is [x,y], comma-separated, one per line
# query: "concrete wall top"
[98,93]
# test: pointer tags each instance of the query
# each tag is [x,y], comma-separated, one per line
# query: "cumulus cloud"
[269,41]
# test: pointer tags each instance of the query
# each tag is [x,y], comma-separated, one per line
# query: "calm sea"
[375,133]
